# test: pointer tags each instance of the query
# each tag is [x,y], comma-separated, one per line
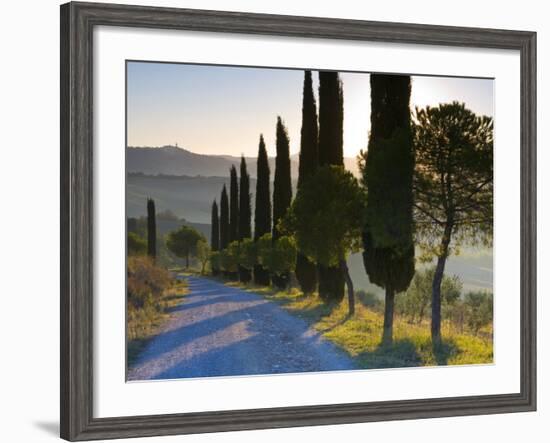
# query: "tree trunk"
[436,285]
[387,335]
[187,261]
[349,284]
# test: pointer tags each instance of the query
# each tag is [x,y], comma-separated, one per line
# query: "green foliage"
[245,214]
[233,205]
[215,260]
[247,254]
[387,172]
[244,203]
[327,216]
[136,245]
[229,258]
[262,208]
[283,255]
[282,186]
[203,252]
[306,271]
[416,302]
[263,249]
[224,219]
[306,274]
[151,229]
[368,299]
[282,190]
[454,177]
[279,256]
[309,143]
[330,152]
[331,119]
[453,186]
[184,241]
[387,169]
[479,310]
[215,228]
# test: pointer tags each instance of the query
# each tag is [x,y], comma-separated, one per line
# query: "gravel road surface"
[223,331]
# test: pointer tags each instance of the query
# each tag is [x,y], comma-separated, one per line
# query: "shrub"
[146,282]
[136,245]
[416,302]
[368,299]
[479,309]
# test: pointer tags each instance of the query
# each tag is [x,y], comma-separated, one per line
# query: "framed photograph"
[272,221]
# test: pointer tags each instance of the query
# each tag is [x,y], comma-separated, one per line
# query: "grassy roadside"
[145,322]
[360,335]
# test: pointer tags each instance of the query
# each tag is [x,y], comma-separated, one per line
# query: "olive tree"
[183,242]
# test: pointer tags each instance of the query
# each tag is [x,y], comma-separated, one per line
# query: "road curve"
[223,331]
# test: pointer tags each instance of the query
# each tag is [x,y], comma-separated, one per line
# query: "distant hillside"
[172,160]
[187,197]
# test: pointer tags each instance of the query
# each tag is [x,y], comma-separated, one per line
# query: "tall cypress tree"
[151,229]
[233,205]
[215,228]
[215,232]
[244,214]
[306,271]
[282,188]
[262,208]
[331,152]
[224,219]
[388,176]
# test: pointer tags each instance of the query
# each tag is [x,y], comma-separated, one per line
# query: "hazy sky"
[223,110]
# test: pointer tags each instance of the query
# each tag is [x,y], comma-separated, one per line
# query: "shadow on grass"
[405,353]
[443,351]
[314,312]
[402,353]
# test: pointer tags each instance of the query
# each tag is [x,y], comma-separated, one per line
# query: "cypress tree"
[215,228]
[331,152]
[244,215]
[282,188]
[233,205]
[224,219]
[331,119]
[262,208]
[151,229]
[388,176]
[215,232]
[306,271]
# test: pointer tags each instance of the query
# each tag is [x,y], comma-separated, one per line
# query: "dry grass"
[152,291]
[360,335]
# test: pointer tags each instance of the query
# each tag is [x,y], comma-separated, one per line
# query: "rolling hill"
[172,160]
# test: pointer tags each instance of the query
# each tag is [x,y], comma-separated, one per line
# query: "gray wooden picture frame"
[77,23]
